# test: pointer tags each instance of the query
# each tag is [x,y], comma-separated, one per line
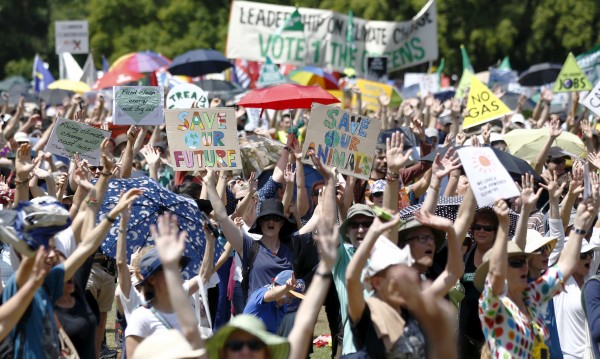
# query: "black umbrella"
[540,74]
[224,90]
[55,96]
[199,62]
[511,99]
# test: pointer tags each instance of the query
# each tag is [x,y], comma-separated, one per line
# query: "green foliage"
[21,67]
[529,31]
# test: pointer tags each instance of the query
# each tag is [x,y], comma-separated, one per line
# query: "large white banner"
[255,33]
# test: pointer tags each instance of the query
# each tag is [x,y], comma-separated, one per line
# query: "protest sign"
[571,78]
[428,83]
[138,105]
[589,63]
[370,92]
[203,137]
[377,68]
[463,84]
[71,137]
[488,178]
[342,139]
[71,37]
[270,75]
[592,100]
[253,35]
[184,95]
[482,105]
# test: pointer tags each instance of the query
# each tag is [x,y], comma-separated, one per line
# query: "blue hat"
[284,276]
[378,186]
[150,264]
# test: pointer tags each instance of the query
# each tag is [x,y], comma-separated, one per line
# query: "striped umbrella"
[141,62]
[314,76]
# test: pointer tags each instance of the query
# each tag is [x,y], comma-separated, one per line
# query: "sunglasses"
[377,194]
[585,255]
[517,262]
[237,345]
[422,238]
[478,227]
[96,168]
[356,225]
[558,161]
[545,249]
[272,217]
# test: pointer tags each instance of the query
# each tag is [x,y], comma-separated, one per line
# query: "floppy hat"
[355,210]
[168,344]
[385,254]
[512,249]
[279,346]
[536,241]
[150,264]
[283,277]
[21,137]
[412,224]
[272,206]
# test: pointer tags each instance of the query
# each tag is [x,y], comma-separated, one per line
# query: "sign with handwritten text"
[71,137]
[342,139]
[203,137]
[138,105]
[185,96]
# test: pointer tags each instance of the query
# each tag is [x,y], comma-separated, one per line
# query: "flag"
[90,75]
[465,59]
[245,73]
[439,71]
[70,68]
[349,39]
[505,64]
[105,64]
[41,76]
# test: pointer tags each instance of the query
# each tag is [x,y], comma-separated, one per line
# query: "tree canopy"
[529,31]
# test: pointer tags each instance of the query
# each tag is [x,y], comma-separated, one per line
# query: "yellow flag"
[571,78]
[482,105]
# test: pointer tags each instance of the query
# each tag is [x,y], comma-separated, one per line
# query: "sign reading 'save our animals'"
[203,137]
[71,137]
[342,139]
[488,178]
[184,95]
[138,105]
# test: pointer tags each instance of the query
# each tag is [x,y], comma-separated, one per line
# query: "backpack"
[254,248]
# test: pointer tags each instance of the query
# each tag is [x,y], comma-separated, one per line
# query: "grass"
[322,327]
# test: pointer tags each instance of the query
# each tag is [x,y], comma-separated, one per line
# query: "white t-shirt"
[129,305]
[144,323]
[237,275]
[570,320]
[65,242]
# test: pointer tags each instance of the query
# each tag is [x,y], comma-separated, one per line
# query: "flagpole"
[61,67]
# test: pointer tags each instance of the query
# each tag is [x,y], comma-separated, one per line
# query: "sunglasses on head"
[272,217]
[478,227]
[517,262]
[585,255]
[356,225]
[237,345]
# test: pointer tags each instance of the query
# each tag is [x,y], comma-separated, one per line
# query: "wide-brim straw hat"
[512,249]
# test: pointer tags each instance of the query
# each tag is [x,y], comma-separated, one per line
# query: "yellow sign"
[571,78]
[482,105]
[370,91]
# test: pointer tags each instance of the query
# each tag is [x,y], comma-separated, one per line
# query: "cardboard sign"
[342,139]
[71,36]
[571,78]
[138,105]
[328,40]
[270,75]
[488,178]
[377,68]
[592,100]
[71,137]
[203,137]
[184,95]
[482,105]
[370,92]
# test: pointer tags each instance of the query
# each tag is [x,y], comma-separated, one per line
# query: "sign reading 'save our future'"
[342,139]
[71,137]
[138,105]
[203,137]
[327,40]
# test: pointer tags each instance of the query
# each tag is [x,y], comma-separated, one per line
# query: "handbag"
[205,331]
[67,349]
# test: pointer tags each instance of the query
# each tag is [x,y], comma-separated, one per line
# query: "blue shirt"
[266,265]
[268,312]
[591,292]
[40,336]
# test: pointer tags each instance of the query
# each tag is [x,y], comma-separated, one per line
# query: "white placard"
[138,105]
[592,100]
[70,137]
[184,95]
[71,36]
[488,178]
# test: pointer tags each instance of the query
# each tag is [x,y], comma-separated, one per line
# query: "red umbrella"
[117,76]
[286,96]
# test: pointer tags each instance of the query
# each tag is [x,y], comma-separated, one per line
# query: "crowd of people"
[500,281]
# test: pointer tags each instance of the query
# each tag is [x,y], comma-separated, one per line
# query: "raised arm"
[529,199]
[231,232]
[556,228]
[152,157]
[206,269]
[121,259]
[575,189]
[170,244]
[302,203]
[440,168]
[465,215]
[289,175]
[499,257]
[555,131]
[127,157]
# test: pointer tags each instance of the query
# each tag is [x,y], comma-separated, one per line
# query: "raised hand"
[442,167]
[417,127]
[449,139]
[501,210]
[170,243]
[327,244]
[327,174]
[107,161]
[128,198]
[151,155]
[132,133]
[289,174]
[384,100]
[208,177]
[528,196]
[586,129]
[486,134]
[554,189]
[433,221]
[594,159]
[23,164]
[555,129]
[547,95]
[252,183]
[461,137]
[394,152]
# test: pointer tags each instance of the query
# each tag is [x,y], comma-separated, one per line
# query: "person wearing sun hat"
[248,334]
[507,296]
[170,344]
[539,249]
[376,192]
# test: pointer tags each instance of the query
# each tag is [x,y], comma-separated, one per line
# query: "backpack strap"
[254,248]
[161,318]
